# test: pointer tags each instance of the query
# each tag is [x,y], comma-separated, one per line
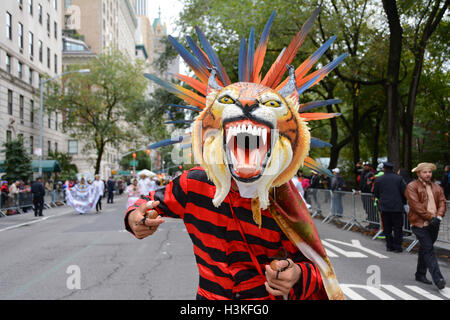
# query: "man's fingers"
[153,222]
[273,291]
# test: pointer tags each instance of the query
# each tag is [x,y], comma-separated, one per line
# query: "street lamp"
[41,106]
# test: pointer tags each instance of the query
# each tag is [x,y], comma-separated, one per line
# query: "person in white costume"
[82,197]
[134,192]
[99,187]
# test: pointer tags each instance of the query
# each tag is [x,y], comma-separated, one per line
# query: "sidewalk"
[23,219]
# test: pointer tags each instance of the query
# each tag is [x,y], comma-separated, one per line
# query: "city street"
[64,256]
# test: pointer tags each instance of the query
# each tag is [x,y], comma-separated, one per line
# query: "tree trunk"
[355,124]
[100,150]
[391,85]
[376,136]
[432,22]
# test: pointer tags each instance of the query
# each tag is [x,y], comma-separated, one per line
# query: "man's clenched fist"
[144,221]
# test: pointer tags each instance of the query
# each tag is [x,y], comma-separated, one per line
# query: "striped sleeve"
[310,281]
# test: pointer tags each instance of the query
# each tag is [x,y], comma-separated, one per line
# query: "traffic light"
[148,151]
[180,167]
[134,155]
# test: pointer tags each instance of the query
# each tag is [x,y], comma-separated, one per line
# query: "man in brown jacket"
[426,210]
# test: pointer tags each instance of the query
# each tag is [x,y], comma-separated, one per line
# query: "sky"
[169,12]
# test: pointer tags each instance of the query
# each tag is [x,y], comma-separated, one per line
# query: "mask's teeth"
[229,134]
[255,131]
[249,129]
[259,131]
[233,159]
[264,135]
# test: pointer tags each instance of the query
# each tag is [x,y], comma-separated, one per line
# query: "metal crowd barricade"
[19,203]
[320,201]
[354,208]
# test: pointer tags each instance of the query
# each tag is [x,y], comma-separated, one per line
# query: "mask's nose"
[248,104]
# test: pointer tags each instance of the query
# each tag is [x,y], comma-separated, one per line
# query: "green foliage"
[97,106]
[17,161]
[68,169]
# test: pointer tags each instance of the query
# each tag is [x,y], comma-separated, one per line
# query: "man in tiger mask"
[253,237]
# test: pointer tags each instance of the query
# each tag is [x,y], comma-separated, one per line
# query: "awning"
[47,166]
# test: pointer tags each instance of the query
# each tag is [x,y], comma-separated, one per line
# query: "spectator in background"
[337,184]
[298,184]
[365,187]
[426,210]
[358,172]
[14,192]
[402,172]
[5,194]
[133,191]
[389,189]
[445,182]
[110,187]
[38,191]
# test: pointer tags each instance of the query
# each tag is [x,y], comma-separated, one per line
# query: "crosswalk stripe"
[424,293]
[398,292]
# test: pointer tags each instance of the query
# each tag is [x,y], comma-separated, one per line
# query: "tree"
[427,18]
[97,107]
[68,169]
[18,161]
[392,77]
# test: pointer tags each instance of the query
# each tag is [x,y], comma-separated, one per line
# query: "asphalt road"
[65,256]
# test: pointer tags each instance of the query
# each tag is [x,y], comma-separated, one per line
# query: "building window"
[19,69]
[20,35]
[30,76]
[30,6]
[55,25]
[49,147]
[8,26]
[48,57]
[55,4]
[31,44]
[8,63]
[41,49]
[32,112]
[8,135]
[73,147]
[31,144]
[56,63]
[49,120]
[56,120]
[40,13]
[10,102]
[21,107]
[48,24]
[56,146]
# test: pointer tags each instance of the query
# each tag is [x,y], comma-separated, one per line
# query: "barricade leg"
[412,245]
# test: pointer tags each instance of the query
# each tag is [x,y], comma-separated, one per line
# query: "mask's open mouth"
[248,147]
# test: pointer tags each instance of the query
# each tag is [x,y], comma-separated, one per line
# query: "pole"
[41,106]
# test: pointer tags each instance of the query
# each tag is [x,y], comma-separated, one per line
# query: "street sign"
[134,163]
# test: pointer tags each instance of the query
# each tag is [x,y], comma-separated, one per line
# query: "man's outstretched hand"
[281,276]
[144,221]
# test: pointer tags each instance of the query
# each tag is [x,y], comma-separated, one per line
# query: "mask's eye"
[272,103]
[226,100]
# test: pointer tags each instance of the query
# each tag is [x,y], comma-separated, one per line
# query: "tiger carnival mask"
[255,131]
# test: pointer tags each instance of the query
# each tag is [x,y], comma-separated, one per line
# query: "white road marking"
[348,254]
[398,292]
[357,245]
[349,292]
[424,293]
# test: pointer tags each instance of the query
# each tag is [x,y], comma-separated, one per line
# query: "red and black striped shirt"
[224,263]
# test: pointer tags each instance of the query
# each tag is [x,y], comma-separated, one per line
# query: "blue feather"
[166,142]
[251,53]
[170,115]
[186,146]
[243,61]
[307,85]
[178,121]
[316,104]
[189,58]
[317,143]
[198,52]
[213,58]
[186,107]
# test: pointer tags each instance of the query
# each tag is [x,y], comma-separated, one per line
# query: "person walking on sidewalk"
[110,187]
[426,210]
[337,184]
[389,189]
[38,191]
